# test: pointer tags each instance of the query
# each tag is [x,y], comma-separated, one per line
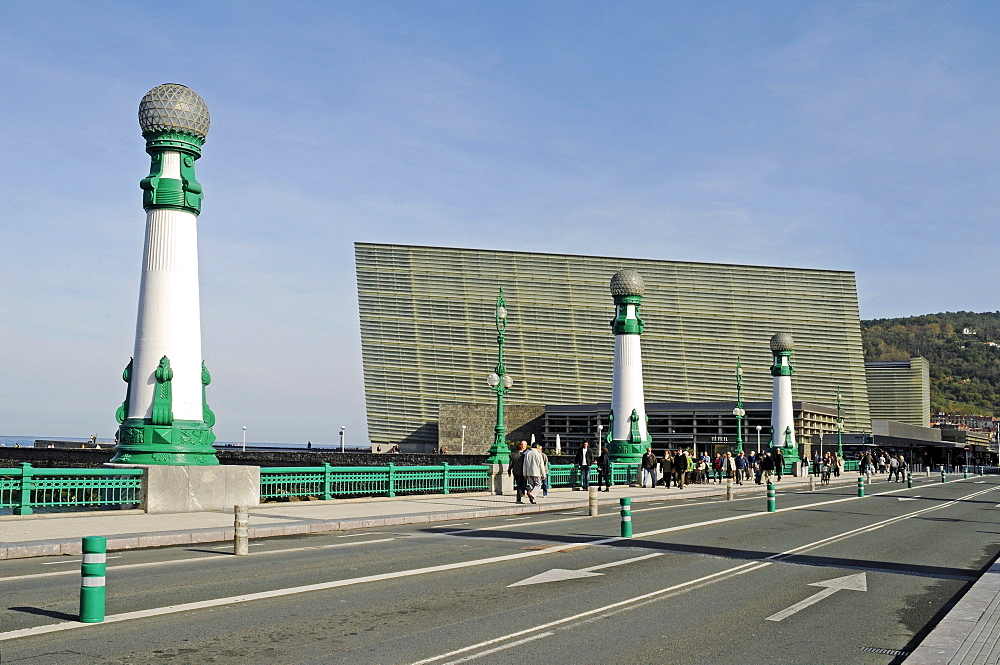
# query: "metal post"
[861,486]
[909,480]
[626,505]
[241,532]
[92,570]
[500,382]
[812,483]
[444,478]
[392,479]
[592,501]
[771,498]
[23,506]
[966,472]
[944,478]
[729,489]
[327,478]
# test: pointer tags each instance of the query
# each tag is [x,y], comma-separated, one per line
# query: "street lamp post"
[500,382]
[758,439]
[600,441]
[342,429]
[738,411]
[244,438]
[463,439]
[840,428]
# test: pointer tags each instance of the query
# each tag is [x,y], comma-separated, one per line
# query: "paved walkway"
[61,533]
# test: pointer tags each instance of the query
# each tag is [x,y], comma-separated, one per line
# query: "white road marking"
[171,562]
[56,563]
[513,519]
[499,648]
[562,574]
[577,617]
[457,524]
[857,582]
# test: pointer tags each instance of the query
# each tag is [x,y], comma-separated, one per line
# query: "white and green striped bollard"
[626,504]
[861,487]
[772,503]
[909,480]
[92,594]
[944,478]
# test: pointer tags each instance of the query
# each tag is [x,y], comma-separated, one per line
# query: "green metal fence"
[25,488]
[326,482]
[568,475]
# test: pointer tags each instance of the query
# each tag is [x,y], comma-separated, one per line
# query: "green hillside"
[964,368]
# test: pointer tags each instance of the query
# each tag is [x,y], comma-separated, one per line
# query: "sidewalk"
[61,533]
[970,633]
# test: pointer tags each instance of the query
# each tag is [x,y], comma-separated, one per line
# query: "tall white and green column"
[628,435]
[782,415]
[165,418]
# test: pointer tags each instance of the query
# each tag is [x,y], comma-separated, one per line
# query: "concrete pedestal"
[500,482]
[182,489]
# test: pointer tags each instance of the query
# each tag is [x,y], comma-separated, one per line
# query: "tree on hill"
[963,349]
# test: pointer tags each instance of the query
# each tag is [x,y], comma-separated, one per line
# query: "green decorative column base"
[499,454]
[627,452]
[185,442]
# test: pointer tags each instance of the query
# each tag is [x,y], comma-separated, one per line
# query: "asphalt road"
[702,581]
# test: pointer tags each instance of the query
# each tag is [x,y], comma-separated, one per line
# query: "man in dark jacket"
[667,468]
[604,470]
[680,468]
[649,467]
[516,468]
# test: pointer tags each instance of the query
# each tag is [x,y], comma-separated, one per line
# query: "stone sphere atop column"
[627,283]
[781,342]
[173,108]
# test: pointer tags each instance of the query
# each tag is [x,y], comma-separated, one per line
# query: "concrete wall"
[480,420]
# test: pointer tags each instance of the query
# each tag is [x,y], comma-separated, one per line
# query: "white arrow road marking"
[561,574]
[856,582]
[906,498]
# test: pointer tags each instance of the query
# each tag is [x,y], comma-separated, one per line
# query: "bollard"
[944,479]
[626,504]
[241,534]
[592,501]
[861,486]
[909,480]
[812,483]
[92,594]
[729,489]
[966,472]
[771,498]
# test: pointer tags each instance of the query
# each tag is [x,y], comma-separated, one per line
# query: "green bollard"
[92,594]
[943,479]
[966,472]
[861,486]
[771,498]
[626,504]
[909,481]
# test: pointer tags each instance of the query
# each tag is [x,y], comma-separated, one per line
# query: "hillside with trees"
[963,349]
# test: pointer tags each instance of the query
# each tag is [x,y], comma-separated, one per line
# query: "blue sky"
[855,136]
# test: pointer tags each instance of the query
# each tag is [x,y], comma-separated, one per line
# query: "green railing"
[326,482]
[25,488]
[568,475]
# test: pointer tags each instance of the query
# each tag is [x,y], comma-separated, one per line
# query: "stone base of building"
[183,489]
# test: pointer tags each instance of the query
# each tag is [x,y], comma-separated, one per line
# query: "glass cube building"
[428,335]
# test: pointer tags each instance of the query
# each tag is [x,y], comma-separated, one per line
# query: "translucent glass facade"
[428,335]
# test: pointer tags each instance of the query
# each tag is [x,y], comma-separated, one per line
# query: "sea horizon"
[11,441]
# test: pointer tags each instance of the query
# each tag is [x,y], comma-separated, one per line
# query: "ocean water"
[29,441]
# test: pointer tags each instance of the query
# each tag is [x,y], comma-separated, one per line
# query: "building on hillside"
[428,337]
[900,391]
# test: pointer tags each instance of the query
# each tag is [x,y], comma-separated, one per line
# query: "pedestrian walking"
[534,471]
[545,478]
[649,467]
[667,468]
[515,468]
[766,468]
[730,469]
[604,470]
[680,468]
[584,459]
[779,463]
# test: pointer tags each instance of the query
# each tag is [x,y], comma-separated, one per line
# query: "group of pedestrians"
[681,467]
[893,465]
[585,459]
[530,470]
